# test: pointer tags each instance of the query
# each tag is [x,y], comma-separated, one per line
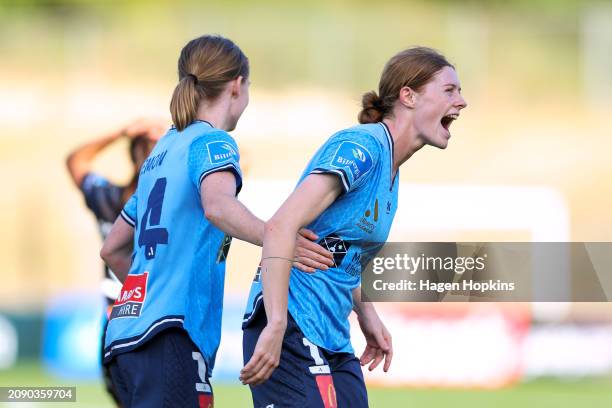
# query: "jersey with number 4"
[178,269]
[353,228]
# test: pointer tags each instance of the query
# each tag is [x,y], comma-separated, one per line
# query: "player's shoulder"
[368,133]
[359,137]
[214,138]
[213,146]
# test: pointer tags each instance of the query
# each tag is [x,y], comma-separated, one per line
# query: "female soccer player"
[106,199]
[348,195]
[165,326]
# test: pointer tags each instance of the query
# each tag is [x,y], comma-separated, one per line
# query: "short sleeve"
[129,211]
[102,197]
[350,155]
[213,152]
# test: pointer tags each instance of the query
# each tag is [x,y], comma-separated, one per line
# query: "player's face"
[437,105]
[239,103]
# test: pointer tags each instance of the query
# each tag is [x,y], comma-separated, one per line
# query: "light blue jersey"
[178,267]
[352,228]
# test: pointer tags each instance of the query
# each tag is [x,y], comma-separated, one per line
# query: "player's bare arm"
[117,248]
[80,161]
[308,201]
[226,212]
[378,339]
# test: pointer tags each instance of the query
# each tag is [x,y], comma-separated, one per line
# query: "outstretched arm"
[308,201]
[226,212]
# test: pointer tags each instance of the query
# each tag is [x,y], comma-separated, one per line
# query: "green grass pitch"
[591,393]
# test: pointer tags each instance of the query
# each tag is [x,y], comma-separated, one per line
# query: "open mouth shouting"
[447,120]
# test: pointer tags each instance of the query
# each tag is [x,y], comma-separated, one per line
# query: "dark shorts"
[106,375]
[166,371]
[307,376]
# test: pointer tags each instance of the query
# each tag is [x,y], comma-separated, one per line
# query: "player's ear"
[236,86]
[407,97]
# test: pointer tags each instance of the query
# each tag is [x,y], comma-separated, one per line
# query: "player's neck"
[405,141]
[215,113]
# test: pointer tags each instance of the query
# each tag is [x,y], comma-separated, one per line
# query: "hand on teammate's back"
[311,256]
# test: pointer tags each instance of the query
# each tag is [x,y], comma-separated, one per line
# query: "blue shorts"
[166,371]
[307,376]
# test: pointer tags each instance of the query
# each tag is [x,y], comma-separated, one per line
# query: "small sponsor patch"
[257,277]
[353,158]
[206,400]
[219,152]
[224,248]
[325,383]
[130,300]
[354,267]
[319,369]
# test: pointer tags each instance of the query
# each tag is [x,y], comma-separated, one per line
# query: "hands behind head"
[151,128]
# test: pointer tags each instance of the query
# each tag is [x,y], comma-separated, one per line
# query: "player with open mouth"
[297,348]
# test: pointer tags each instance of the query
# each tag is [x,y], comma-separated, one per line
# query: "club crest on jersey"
[353,158]
[221,151]
[337,246]
[132,297]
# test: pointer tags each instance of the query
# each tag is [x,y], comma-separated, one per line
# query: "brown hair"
[205,65]
[413,68]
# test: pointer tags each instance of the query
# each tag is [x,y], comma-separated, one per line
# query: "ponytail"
[205,66]
[184,103]
[372,108]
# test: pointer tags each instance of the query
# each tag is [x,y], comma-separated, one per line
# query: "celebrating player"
[297,348]
[106,199]
[165,327]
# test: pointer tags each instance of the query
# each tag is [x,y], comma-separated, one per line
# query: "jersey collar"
[196,121]
[391,148]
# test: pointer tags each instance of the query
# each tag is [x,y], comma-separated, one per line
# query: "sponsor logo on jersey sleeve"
[132,297]
[219,152]
[353,158]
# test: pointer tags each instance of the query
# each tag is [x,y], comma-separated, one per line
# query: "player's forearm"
[278,249]
[80,160]
[118,247]
[118,260]
[89,150]
[232,217]
[120,265]
[359,307]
